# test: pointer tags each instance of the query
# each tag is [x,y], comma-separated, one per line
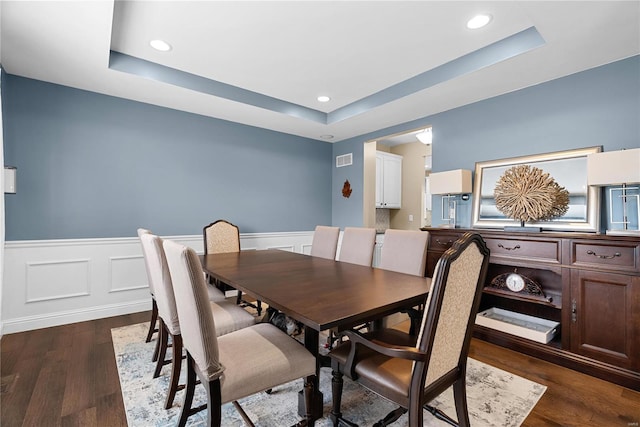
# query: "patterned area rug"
[495,397]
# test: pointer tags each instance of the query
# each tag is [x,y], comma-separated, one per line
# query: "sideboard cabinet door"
[605,316]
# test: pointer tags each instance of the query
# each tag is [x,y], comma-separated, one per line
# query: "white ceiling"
[295,51]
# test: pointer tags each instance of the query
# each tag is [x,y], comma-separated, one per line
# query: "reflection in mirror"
[568,168]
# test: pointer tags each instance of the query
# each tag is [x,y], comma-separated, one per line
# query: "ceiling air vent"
[344,160]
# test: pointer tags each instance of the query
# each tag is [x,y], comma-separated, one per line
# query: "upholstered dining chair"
[154,306]
[214,295]
[357,248]
[221,236]
[405,251]
[229,316]
[325,242]
[234,365]
[411,372]
[357,245]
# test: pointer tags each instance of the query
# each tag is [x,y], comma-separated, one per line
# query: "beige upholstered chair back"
[142,231]
[325,242]
[357,245]
[404,251]
[194,310]
[159,275]
[451,305]
[220,237]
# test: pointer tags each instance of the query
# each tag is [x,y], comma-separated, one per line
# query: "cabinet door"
[392,190]
[605,317]
[379,182]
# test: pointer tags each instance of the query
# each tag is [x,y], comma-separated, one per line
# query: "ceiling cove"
[491,54]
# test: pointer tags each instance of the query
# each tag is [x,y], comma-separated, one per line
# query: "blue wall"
[598,107]
[81,172]
[91,165]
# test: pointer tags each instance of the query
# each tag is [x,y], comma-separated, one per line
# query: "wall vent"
[344,160]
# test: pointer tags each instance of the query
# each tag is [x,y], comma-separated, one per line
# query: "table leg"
[311,343]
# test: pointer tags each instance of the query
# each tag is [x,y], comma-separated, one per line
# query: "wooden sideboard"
[593,282]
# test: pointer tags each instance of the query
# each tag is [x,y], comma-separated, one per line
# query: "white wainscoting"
[55,282]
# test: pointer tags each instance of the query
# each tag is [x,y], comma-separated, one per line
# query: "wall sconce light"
[10,179]
[621,168]
[450,183]
[426,136]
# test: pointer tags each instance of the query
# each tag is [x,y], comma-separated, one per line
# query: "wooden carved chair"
[412,371]
[235,365]
[325,242]
[229,317]
[221,236]
[405,251]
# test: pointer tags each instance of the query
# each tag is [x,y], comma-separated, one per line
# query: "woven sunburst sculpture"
[529,194]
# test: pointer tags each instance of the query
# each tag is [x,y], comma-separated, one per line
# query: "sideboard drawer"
[621,256]
[544,250]
[440,241]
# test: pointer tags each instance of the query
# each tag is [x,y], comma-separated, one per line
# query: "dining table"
[319,293]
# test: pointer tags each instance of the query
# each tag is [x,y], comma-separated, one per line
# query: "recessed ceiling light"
[324,98]
[326,136]
[478,21]
[160,45]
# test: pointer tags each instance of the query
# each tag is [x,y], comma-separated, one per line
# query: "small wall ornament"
[529,194]
[346,189]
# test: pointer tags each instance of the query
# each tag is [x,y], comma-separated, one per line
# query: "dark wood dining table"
[320,293]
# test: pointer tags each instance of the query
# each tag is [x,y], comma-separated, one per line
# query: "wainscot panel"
[55,282]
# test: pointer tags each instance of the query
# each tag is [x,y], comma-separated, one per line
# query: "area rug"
[495,397]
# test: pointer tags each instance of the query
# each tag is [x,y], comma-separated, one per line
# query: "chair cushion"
[378,372]
[258,358]
[390,377]
[230,317]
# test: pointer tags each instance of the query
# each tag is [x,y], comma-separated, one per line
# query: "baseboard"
[73,316]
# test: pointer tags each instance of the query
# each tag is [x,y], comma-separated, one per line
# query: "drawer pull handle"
[509,249]
[617,254]
[445,243]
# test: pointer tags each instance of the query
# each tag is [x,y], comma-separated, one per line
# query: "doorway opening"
[414,210]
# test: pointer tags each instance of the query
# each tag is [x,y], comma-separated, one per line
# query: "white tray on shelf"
[522,325]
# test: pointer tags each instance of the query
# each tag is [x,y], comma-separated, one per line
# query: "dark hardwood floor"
[66,376]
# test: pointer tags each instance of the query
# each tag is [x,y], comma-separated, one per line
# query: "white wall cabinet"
[388,180]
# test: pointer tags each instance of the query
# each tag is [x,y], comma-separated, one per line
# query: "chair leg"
[214,403]
[156,351]
[154,319]
[460,399]
[189,391]
[163,339]
[176,363]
